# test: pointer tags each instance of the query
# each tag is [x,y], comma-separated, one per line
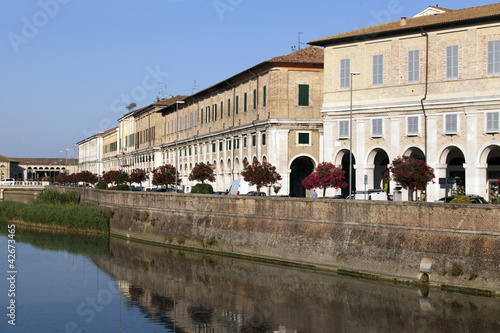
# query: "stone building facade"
[428,86]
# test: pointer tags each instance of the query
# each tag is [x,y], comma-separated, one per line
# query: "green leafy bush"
[460,199]
[203,189]
[101,186]
[66,216]
[121,187]
[54,197]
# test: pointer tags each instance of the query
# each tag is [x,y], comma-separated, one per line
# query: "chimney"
[403,20]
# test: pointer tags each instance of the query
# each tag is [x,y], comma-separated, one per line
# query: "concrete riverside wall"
[382,238]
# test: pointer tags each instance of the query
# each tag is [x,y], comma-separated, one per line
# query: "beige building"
[269,112]
[36,169]
[110,150]
[428,86]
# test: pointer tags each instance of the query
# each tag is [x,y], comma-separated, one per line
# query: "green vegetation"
[54,197]
[460,199]
[457,269]
[203,189]
[101,186]
[55,208]
[121,187]
[472,275]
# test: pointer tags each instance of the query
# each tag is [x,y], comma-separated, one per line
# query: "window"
[344,129]
[196,118]
[494,57]
[377,129]
[201,116]
[345,72]
[303,95]
[189,151]
[180,123]
[221,109]
[214,112]
[263,139]
[303,138]
[451,124]
[213,147]
[414,66]
[229,107]
[492,122]
[191,120]
[185,122]
[245,102]
[245,142]
[412,125]
[228,144]
[236,143]
[254,140]
[208,114]
[264,96]
[236,106]
[220,145]
[452,62]
[378,69]
[255,99]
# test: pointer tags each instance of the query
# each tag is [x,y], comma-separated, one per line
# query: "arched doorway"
[380,167]
[301,168]
[455,161]
[347,171]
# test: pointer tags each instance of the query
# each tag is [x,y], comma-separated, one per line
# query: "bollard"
[1,194]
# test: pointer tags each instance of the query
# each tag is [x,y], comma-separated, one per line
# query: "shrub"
[121,187]
[203,189]
[181,241]
[472,275]
[457,270]
[54,197]
[460,199]
[101,186]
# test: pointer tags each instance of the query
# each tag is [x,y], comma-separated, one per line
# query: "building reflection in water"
[192,292]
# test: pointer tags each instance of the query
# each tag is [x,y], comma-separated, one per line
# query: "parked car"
[241,187]
[475,199]
[8,181]
[255,193]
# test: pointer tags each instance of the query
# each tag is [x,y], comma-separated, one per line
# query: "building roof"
[310,56]
[447,18]
[7,159]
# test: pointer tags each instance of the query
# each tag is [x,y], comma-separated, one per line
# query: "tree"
[87,177]
[131,106]
[411,173]
[117,177]
[325,175]
[260,174]
[165,175]
[138,176]
[202,172]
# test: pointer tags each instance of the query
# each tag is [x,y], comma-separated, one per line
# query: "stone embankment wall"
[387,239]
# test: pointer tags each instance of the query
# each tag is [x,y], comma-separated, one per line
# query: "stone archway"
[455,161]
[301,167]
[345,161]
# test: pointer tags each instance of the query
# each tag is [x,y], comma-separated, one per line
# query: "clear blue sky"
[68,68]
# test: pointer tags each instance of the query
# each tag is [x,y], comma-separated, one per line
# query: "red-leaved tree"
[260,174]
[117,177]
[202,172]
[86,177]
[325,175]
[138,176]
[413,174]
[165,175]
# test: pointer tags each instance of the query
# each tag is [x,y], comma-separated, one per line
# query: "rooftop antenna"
[195,87]
[300,33]
[163,91]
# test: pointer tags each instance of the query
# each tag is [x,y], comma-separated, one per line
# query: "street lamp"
[176,138]
[350,136]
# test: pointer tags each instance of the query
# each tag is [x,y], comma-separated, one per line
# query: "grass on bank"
[54,208]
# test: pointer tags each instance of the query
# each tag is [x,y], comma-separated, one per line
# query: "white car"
[8,181]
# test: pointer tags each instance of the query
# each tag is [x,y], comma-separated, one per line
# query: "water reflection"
[189,292]
[95,284]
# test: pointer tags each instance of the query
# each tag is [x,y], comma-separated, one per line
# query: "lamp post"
[350,136]
[176,139]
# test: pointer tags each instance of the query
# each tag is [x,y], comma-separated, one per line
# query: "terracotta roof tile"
[308,55]
[459,16]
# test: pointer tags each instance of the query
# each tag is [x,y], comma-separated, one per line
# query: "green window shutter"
[245,102]
[255,99]
[236,107]
[220,146]
[263,139]
[303,95]
[264,96]
[229,107]
[303,138]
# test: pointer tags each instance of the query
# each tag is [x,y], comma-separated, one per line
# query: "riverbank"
[454,245]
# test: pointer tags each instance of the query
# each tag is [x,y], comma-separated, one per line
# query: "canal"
[75,283]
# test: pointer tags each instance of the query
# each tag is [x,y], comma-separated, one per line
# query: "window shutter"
[303,94]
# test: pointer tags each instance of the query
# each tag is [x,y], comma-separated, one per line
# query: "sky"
[68,68]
